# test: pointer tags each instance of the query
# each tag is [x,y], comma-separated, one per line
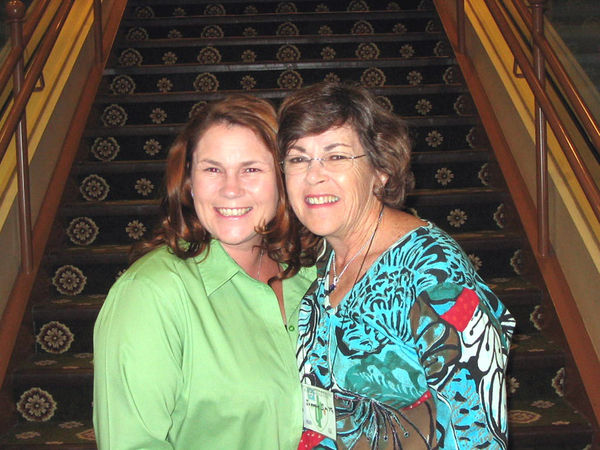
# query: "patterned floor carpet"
[172,57]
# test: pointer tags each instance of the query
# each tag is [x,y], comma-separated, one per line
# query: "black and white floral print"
[385,102]
[457,218]
[290,79]
[55,337]
[82,231]
[105,149]
[164,85]
[144,187]
[434,139]
[367,51]
[442,48]
[325,30]
[407,51]
[414,77]
[328,53]
[206,82]
[169,58]
[399,28]
[358,6]
[175,34]
[143,12]
[500,216]
[423,106]
[69,280]
[286,7]
[114,116]
[152,147]
[158,115]
[215,10]
[516,262]
[248,82]
[122,84]
[362,27]
[94,188]
[212,31]
[36,405]
[130,57]
[288,53]
[373,77]
[484,174]
[135,229]
[197,108]
[287,29]
[331,77]
[248,56]
[444,176]
[250,32]
[209,55]
[137,34]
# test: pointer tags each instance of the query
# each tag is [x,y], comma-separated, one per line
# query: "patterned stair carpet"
[172,57]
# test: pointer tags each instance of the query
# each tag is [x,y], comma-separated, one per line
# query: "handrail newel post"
[16,13]
[541,132]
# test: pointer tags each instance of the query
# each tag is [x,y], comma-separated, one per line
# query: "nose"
[232,186]
[316,172]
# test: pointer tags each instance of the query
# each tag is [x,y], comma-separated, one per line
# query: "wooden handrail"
[562,135]
[578,104]
[581,345]
[10,321]
[542,99]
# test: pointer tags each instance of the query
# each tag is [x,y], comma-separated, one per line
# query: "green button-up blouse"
[194,355]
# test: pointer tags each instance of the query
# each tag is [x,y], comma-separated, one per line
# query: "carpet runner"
[173,56]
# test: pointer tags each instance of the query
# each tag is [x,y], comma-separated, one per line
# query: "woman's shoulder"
[159,267]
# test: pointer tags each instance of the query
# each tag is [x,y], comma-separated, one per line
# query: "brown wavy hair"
[382,134]
[179,228]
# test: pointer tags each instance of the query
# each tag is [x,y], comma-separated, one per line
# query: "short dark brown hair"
[180,229]
[382,134]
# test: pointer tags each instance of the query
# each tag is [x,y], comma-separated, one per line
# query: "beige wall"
[48,116]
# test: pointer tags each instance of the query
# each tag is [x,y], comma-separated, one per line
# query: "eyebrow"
[326,149]
[217,163]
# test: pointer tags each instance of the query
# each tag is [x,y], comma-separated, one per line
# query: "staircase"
[171,58]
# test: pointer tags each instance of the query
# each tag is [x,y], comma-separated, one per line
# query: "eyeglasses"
[333,162]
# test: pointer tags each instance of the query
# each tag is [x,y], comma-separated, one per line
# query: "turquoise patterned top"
[415,353]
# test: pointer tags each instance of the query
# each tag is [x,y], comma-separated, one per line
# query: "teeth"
[322,200]
[231,212]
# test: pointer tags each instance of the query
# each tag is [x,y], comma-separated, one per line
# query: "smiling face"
[234,185]
[335,205]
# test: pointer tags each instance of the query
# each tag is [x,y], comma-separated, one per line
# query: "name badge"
[318,410]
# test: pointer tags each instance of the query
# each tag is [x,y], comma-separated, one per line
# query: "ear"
[383,177]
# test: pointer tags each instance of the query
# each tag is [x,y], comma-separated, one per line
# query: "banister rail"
[24,85]
[582,111]
[545,110]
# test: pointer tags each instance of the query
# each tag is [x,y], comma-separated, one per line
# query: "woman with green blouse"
[194,346]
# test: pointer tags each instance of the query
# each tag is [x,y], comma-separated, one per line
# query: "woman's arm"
[137,367]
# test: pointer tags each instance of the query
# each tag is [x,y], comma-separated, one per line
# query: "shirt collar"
[216,268]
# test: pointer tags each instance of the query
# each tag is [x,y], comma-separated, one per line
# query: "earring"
[192,192]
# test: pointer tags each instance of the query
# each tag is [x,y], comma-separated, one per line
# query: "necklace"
[260,258]
[336,277]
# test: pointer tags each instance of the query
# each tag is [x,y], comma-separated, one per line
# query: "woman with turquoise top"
[194,347]
[401,343]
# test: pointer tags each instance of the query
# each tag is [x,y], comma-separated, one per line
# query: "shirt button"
[291,328]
